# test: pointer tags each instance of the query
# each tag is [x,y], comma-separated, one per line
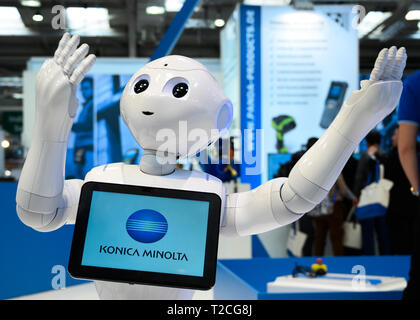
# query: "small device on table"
[146,235]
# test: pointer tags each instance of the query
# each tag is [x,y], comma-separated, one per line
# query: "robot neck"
[157,165]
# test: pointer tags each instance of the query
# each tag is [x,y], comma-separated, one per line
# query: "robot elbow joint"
[294,202]
[37,221]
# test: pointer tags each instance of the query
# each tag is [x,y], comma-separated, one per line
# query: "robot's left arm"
[284,200]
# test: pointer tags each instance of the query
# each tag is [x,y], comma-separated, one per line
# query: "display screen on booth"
[144,231]
[335,92]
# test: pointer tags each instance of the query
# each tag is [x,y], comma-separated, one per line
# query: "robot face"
[173,104]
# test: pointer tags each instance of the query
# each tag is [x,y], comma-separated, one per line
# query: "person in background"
[331,218]
[409,121]
[349,173]
[83,129]
[306,224]
[365,173]
[402,206]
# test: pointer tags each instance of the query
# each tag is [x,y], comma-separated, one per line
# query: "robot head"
[173,104]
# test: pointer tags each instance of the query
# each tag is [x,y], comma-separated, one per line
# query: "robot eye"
[180,90]
[141,86]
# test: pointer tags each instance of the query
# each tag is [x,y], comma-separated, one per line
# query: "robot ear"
[224,116]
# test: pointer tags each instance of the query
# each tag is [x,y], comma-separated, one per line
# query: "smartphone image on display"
[333,102]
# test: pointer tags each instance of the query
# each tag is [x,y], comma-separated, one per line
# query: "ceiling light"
[17,95]
[268,2]
[413,15]
[88,20]
[155,10]
[10,17]
[219,23]
[173,5]
[5,144]
[31,3]
[37,17]
[7,173]
[11,22]
[371,21]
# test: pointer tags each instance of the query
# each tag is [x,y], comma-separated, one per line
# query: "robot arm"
[44,200]
[256,211]
[282,201]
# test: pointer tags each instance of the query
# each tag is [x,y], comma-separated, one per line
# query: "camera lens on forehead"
[141,86]
[180,90]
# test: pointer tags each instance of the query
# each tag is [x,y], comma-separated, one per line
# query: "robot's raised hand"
[378,96]
[389,65]
[56,85]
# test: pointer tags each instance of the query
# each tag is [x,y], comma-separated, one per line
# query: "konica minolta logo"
[147,226]
[145,253]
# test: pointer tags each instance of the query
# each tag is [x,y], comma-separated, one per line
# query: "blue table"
[246,279]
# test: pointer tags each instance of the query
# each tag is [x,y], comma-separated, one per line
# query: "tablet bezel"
[77,270]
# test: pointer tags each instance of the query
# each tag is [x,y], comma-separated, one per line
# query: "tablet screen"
[146,233]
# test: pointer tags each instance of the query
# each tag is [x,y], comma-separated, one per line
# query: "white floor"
[88,292]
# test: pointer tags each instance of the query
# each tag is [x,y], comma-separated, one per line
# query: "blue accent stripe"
[175,29]
[145,227]
[250,77]
[370,211]
[146,230]
[154,223]
[148,227]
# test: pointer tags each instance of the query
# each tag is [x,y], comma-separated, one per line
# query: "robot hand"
[42,195]
[56,85]
[378,96]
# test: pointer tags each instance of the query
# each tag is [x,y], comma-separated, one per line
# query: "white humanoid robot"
[163,97]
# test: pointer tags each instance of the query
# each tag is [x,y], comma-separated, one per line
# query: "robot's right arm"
[318,169]
[284,200]
[44,200]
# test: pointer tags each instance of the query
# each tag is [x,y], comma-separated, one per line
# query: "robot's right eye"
[141,86]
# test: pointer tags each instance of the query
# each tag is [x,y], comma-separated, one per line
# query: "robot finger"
[400,62]
[82,69]
[61,45]
[75,59]
[380,62]
[68,49]
[390,63]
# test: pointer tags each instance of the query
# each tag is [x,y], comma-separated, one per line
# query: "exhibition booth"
[287,73]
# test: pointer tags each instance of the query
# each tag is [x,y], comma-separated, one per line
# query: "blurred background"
[134,29]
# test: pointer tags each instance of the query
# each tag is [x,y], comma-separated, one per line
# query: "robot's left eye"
[180,90]
[141,86]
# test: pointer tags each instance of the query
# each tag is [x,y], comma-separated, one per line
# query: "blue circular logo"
[147,226]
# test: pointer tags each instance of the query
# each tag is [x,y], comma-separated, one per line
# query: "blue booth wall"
[30,261]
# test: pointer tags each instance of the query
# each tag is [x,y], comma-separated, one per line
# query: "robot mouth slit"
[148,113]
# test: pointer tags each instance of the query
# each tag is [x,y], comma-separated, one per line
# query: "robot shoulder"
[112,173]
[198,177]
